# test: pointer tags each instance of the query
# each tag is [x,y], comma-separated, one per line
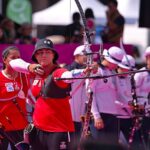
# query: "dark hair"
[89,13]
[114,2]
[76,17]
[6,51]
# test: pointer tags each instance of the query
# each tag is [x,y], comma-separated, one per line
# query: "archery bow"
[137,112]
[87,42]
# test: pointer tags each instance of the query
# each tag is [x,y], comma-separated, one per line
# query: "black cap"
[44,44]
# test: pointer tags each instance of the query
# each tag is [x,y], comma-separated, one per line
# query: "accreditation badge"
[9,87]
[21,94]
[35,82]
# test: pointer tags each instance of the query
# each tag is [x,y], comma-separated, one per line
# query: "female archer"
[13,91]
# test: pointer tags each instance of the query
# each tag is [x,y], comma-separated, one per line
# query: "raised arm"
[20,65]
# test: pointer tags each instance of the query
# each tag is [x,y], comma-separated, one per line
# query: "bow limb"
[84,21]
[87,40]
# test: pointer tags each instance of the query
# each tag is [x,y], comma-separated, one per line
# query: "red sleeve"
[57,74]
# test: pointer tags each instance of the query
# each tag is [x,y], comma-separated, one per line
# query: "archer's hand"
[36,69]
[98,123]
[93,68]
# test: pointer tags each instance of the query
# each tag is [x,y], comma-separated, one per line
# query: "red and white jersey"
[11,91]
[52,114]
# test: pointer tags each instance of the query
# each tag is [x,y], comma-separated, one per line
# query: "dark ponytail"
[6,51]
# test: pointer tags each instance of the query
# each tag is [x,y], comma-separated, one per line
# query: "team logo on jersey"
[21,94]
[9,87]
[37,83]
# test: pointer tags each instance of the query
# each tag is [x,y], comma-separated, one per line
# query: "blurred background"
[48,18]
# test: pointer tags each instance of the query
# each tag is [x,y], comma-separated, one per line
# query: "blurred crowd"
[112,32]
[12,33]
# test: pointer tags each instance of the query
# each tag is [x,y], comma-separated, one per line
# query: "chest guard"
[51,90]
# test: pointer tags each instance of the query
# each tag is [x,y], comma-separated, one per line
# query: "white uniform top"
[78,100]
[104,94]
[142,80]
[124,95]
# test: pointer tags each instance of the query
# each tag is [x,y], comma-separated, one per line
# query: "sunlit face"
[148,61]
[44,57]
[13,54]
